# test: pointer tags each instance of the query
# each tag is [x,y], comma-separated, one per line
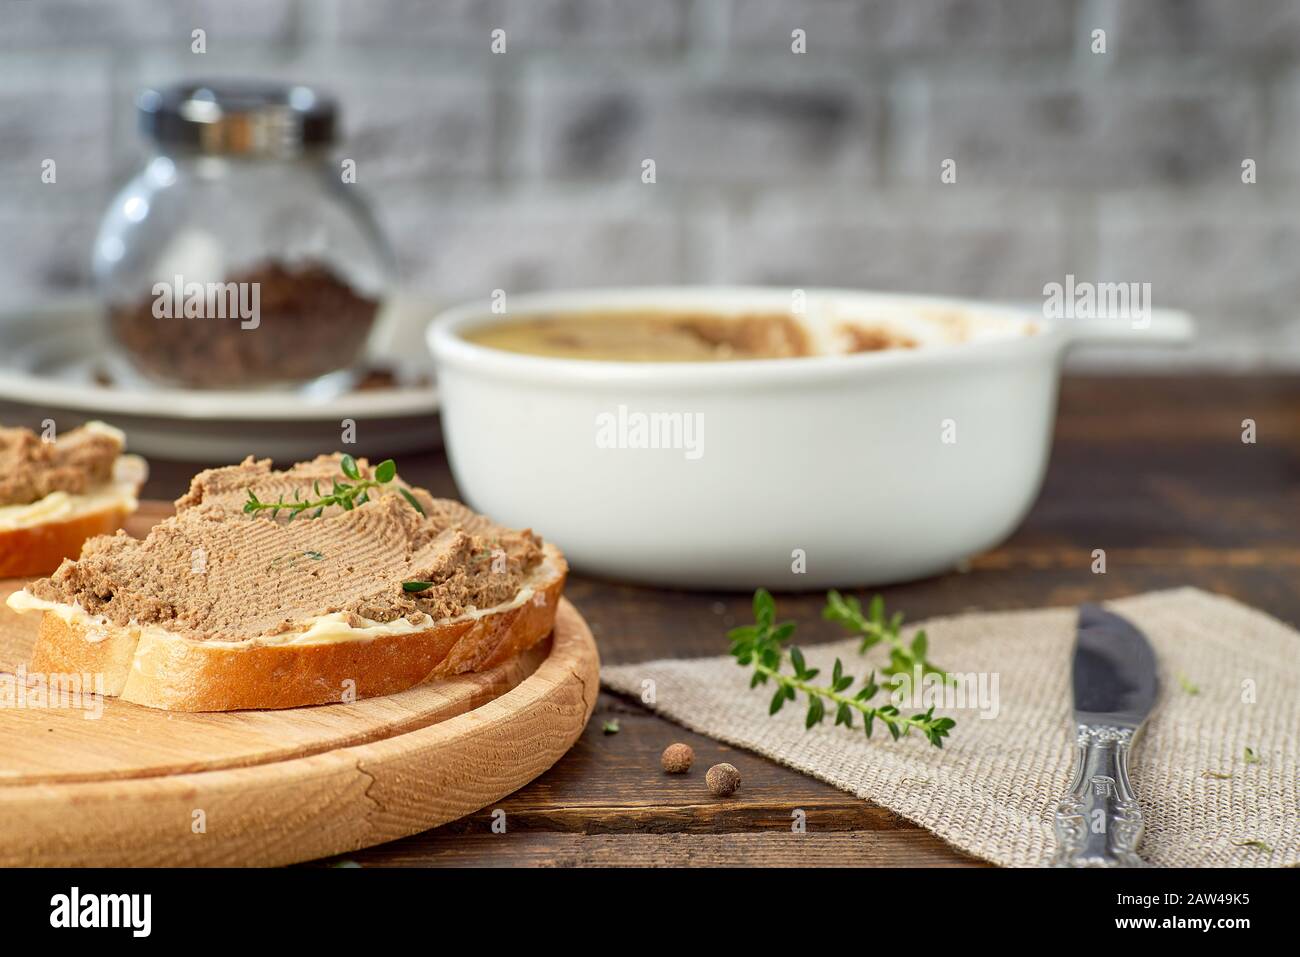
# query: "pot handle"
[1161,327]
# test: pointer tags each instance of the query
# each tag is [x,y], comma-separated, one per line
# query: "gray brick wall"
[523,170]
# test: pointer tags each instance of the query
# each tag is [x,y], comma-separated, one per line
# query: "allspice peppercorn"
[677,758]
[723,780]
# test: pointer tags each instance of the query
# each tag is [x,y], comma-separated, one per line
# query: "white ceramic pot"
[845,470]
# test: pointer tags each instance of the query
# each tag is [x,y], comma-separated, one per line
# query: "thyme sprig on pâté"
[763,646]
[346,495]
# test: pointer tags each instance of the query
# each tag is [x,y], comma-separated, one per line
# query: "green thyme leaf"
[844,715]
[416,586]
[385,470]
[1253,843]
[349,466]
[816,711]
[413,500]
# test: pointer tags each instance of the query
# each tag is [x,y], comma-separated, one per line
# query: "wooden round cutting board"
[112,783]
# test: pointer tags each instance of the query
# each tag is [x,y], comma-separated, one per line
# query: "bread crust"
[176,674]
[40,549]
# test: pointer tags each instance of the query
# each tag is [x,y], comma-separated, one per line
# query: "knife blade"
[1115,682]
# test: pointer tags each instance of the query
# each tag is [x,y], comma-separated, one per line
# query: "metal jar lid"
[238,119]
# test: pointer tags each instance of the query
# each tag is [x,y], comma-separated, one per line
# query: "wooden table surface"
[1153,470]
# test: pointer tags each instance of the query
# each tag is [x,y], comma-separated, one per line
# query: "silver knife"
[1098,821]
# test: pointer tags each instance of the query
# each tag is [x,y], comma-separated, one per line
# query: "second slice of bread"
[39,549]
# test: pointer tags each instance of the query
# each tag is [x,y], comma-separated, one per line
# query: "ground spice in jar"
[309,322]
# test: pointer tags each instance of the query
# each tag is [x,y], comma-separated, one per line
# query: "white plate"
[48,361]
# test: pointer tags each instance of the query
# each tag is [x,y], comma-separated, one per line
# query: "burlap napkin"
[1230,680]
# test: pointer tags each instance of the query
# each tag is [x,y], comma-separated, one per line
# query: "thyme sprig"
[346,495]
[762,646]
[874,628]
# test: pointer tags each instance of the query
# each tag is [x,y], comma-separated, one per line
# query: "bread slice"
[29,550]
[39,549]
[151,667]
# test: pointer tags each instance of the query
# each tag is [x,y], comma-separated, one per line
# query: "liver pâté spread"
[215,573]
[76,462]
[663,336]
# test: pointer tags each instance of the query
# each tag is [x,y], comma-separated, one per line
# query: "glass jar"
[240,256]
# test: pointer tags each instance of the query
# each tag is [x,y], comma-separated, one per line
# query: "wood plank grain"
[612,783]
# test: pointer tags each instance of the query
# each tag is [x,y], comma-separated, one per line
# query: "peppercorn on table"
[1153,469]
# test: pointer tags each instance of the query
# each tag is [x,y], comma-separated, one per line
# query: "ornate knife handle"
[1098,821]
